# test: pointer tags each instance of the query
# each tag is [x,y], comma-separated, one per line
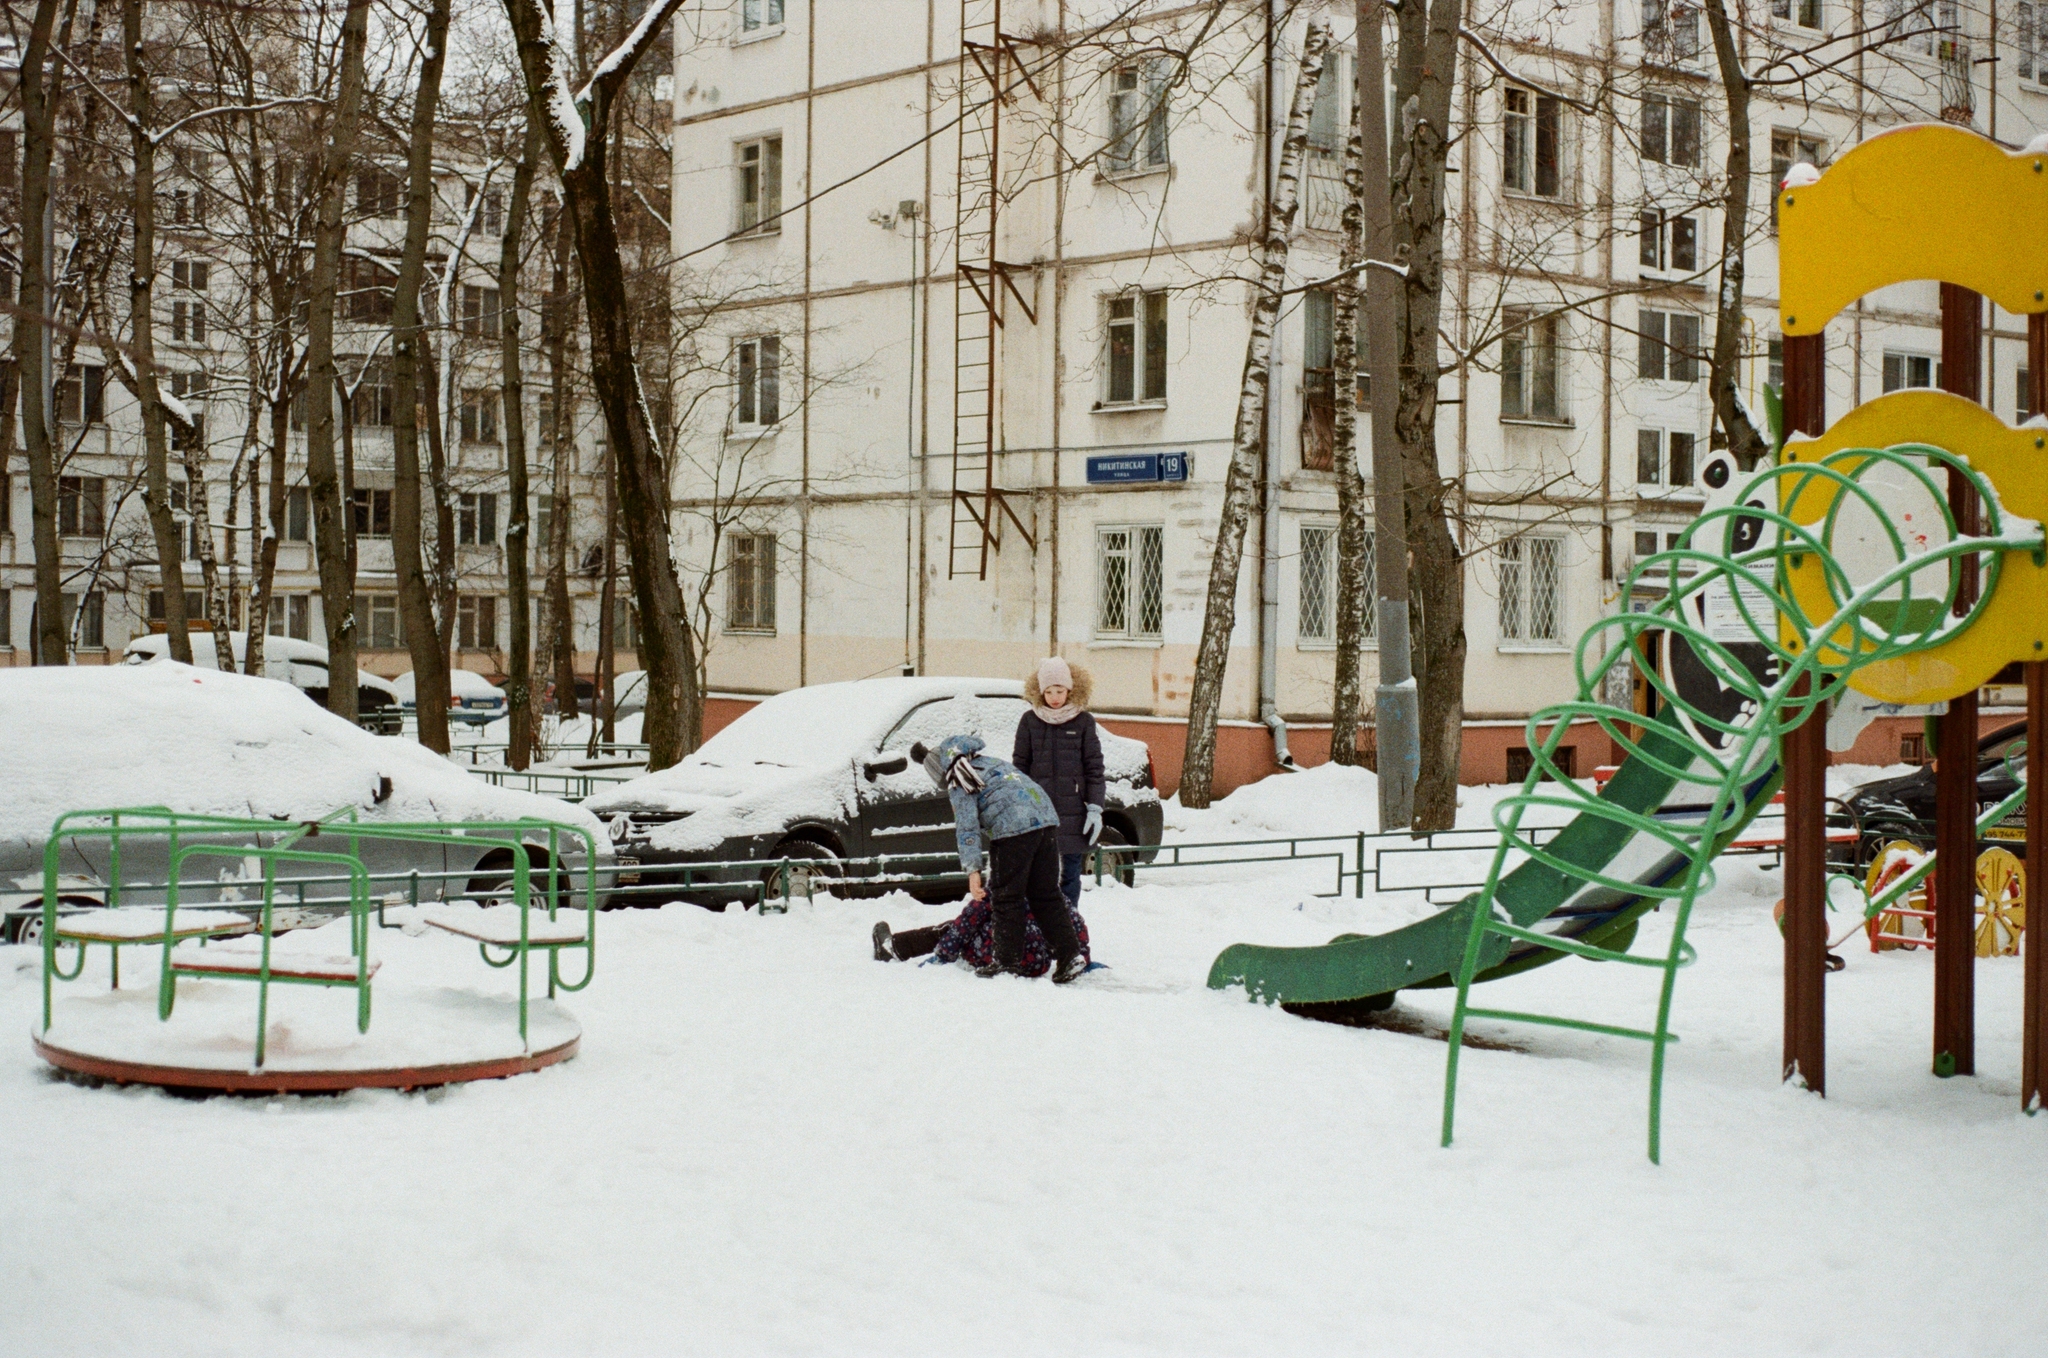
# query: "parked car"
[1903,807]
[823,774]
[202,742]
[629,693]
[472,699]
[298,663]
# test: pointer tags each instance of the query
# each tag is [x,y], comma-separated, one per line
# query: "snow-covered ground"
[773,1144]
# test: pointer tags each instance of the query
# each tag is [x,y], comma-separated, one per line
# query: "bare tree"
[575,123]
[1240,487]
[1351,515]
[519,694]
[332,540]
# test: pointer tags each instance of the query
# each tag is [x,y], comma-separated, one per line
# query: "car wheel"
[28,929]
[1876,837]
[813,867]
[1120,866]
[492,884]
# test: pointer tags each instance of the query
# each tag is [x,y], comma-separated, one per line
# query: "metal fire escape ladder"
[989,65]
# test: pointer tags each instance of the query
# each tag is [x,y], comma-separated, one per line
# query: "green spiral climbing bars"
[1741,663]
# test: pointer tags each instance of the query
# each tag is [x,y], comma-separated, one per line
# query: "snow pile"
[1328,799]
[203,742]
[462,683]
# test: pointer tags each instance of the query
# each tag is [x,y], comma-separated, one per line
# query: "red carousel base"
[299,1081]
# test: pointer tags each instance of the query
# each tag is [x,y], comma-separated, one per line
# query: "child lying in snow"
[996,930]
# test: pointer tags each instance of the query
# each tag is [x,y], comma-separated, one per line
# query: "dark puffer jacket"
[1064,759]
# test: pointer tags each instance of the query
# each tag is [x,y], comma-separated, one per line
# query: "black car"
[1903,807]
[823,775]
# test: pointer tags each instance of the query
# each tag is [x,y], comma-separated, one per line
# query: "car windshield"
[826,723]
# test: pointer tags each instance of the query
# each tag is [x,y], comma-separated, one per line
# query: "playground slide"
[1369,968]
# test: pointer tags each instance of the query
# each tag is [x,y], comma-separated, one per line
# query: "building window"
[1137,348]
[90,622]
[543,525]
[476,622]
[1805,13]
[1667,346]
[491,218]
[382,626]
[750,583]
[625,625]
[758,401]
[1320,586]
[374,404]
[1670,130]
[372,513]
[479,415]
[1910,370]
[1534,159]
[82,395]
[1909,23]
[1130,582]
[480,312]
[1789,149]
[1319,375]
[298,515]
[378,191]
[6,619]
[1671,32]
[476,519]
[1665,458]
[758,16]
[188,207]
[760,184]
[1671,243]
[195,604]
[366,292]
[1530,606]
[2030,41]
[1137,118]
[1532,374]
[1521,760]
[81,506]
[1328,123]
[291,615]
[2023,405]
[190,275]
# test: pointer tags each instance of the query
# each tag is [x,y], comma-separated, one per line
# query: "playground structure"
[228,928]
[1900,552]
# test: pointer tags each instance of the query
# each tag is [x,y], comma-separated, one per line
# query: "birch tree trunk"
[575,124]
[1425,72]
[40,90]
[1350,582]
[1748,444]
[518,548]
[408,336]
[1241,482]
[333,547]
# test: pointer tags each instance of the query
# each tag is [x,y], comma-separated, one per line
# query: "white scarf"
[1057,716]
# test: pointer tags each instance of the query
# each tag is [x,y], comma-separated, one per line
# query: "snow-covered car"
[823,774]
[301,664]
[206,743]
[472,699]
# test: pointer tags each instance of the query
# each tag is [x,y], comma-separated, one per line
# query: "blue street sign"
[1120,468]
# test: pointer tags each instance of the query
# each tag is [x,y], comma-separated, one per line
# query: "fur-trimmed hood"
[1084,687]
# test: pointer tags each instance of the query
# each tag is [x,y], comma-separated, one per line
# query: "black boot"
[1069,970]
[884,952]
[913,943]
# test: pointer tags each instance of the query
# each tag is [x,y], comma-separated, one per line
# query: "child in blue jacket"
[991,796]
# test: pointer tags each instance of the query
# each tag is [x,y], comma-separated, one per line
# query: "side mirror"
[893,764]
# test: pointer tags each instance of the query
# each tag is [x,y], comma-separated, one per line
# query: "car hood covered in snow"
[204,742]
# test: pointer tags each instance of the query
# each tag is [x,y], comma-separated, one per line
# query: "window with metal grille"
[1533,143]
[1130,581]
[1911,370]
[1137,348]
[476,622]
[759,191]
[380,625]
[476,519]
[750,583]
[1667,346]
[1532,373]
[1137,118]
[757,397]
[1321,585]
[1531,609]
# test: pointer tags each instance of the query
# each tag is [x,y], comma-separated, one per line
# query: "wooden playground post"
[1955,774]
[2034,1000]
[1805,757]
